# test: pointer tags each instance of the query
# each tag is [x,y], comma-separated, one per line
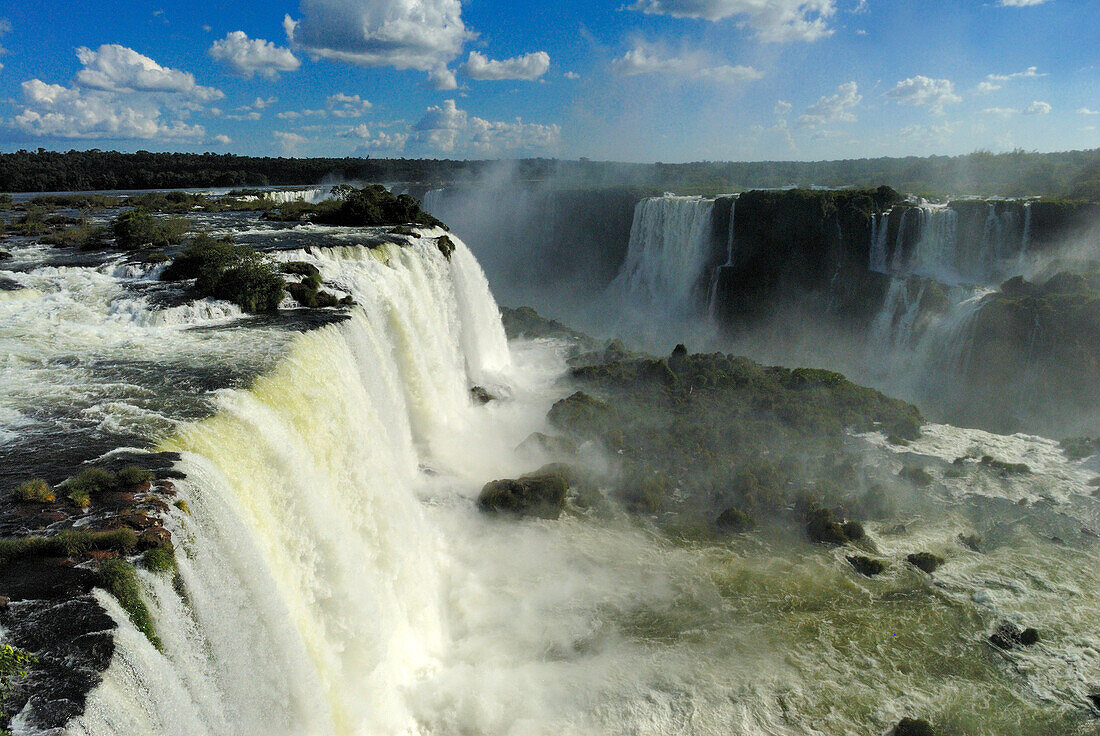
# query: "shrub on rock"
[866,565]
[925,561]
[35,491]
[540,494]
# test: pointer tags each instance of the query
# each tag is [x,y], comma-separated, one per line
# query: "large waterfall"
[664,279]
[310,566]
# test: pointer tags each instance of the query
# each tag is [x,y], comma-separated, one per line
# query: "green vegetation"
[226,271]
[84,237]
[918,476]
[35,491]
[1016,173]
[14,663]
[137,228]
[1078,448]
[88,484]
[866,565]
[69,543]
[1004,468]
[308,292]
[371,206]
[159,559]
[119,578]
[925,561]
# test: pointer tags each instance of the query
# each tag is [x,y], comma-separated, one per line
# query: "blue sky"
[630,80]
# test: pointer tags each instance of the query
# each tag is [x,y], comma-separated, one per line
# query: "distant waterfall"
[311,570]
[880,228]
[670,243]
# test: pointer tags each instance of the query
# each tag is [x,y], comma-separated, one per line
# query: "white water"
[286,196]
[333,586]
[661,282]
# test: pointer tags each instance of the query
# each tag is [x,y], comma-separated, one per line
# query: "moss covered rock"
[540,494]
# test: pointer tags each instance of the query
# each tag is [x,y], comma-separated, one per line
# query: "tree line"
[1017,173]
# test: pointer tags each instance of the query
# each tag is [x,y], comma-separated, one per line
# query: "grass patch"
[137,229]
[70,543]
[119,578]
[159,559]
[35,491]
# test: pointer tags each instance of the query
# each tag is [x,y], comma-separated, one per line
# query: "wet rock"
[4,255]
[913,727]
[1095,481]
[866,565]
[917,476]
[1010,636]
[925,561]
[1005,469]
[540,494]
[582,414]
[480,395]
[537,442]
[157,536]
[735,521]
[38,578]
[971,541]
[823,528]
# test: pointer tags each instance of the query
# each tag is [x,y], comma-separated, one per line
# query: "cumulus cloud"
[782,108]
[772,20]
[925,92]
[118,94]
[1086,111]
[116,68]
[347,106]
[5,27]
[442,78]
[405,34]
[447,129]
[571,75]
[289,141]
[1020,3]
[528,67]
[253,111]
[994,82]
[643,59]
[1035,108]
[378,141]
[832,108]
[250,56]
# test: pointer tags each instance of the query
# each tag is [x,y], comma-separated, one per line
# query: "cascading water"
[671,241]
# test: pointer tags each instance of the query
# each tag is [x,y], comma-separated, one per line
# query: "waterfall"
[310,569]
[880,227]
[935,252]
[1025,235]
[671,240]
[731,242]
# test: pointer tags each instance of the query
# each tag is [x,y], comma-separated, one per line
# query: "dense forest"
[1073,173]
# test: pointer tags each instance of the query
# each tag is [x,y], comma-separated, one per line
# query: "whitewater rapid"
[335,576]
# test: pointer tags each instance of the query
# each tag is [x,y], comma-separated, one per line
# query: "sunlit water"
[338,579]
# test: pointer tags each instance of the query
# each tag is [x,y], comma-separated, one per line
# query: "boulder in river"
[866,565]
[925,561]
[1010,636]
[540,494]
[913,727]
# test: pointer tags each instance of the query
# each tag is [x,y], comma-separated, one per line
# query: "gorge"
[318,470]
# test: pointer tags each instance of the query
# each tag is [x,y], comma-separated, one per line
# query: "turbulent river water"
[337,577]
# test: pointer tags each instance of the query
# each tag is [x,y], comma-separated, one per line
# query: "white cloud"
[447,129]
[347,106]
[1030,72]
[832,108]
[249,56]
[380,140]
[528,67]
[1035,108]
[925,92]
[571,75]
[289,141]
[404,34]
[118,94]
[929,133]
[985,88]
[644,59]
[442,78]
[772,20]
[74,112]
[1086,111]
[223,140]
[1020,3]
[253,111]
[115,68]
[782,108]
